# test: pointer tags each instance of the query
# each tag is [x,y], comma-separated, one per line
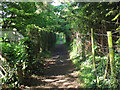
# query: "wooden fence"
[110,53]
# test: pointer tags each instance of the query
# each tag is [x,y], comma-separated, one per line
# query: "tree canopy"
[40,22]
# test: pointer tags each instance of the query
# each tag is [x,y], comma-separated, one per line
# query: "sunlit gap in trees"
[56,2]
[60,2]
[61,39]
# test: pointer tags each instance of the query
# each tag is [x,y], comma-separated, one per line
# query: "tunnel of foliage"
[39,23]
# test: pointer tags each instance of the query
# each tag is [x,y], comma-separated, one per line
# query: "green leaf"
[110,12]
[116,17]
[95,47]
[118,28]
[118,41]
[1,39]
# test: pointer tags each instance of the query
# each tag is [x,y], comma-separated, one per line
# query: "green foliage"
[26,55]
[88,77]
[38,23]
[16,55]
[60,38]
[118,42]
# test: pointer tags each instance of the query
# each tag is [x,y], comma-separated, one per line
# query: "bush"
[26,55]
[15,63]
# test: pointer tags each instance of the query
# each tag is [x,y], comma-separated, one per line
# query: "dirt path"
[60,72]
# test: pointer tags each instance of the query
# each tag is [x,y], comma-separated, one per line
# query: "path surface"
[60,72]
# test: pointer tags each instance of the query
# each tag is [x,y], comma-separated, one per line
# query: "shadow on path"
[59,64]
[60,72]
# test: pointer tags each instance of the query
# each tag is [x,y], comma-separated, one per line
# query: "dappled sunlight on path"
[60,72]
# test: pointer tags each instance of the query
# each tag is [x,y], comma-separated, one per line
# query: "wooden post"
[111,52]
[112,62]
[93,50]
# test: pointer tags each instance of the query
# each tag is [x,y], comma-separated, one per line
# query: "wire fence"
[99,34]
[102,43]
[104,47]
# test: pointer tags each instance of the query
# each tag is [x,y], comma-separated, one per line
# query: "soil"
[59,72]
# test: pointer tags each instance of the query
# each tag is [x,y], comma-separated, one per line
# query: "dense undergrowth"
[89,77]
[25,57]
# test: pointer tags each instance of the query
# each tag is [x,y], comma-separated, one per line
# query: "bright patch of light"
[56,3]
[0,11]
[76,7]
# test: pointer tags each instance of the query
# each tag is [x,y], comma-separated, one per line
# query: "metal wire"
[116,31]
[100,34]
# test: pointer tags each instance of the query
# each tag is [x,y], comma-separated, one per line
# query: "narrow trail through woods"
[60,72]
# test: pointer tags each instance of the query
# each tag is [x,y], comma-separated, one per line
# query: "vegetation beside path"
[30,31]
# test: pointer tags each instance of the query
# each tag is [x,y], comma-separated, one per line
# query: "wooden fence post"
[111,54]
[93,50]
